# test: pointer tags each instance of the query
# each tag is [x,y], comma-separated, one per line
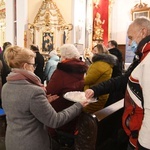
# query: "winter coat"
[51,66]
[67,77]
[39,62]
[5,69]
[117,70]
[100,70]
[27,111]
[135,82]
[136,115]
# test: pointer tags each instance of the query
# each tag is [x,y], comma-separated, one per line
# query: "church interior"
[51,23]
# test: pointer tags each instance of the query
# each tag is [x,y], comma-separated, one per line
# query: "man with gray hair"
[136,85]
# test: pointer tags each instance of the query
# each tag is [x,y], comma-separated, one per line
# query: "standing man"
[117,71]
[113,49]
[136,83]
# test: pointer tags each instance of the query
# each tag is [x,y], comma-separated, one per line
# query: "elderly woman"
[100,70]
[69,76]
[27,106]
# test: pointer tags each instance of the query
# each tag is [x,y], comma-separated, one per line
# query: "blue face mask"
[134,46]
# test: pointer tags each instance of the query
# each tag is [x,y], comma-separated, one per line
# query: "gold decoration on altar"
[2,21]
[2,10]
[140,6]
[50,20]
[98,30]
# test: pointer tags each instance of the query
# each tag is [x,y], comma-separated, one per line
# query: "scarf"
[21,74]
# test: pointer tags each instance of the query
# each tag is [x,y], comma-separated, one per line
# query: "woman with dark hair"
[39,62]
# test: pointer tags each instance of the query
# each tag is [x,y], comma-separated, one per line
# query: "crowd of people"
[36,114]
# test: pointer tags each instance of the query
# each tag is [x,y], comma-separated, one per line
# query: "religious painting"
[47,42]
[140,10]
[140,14]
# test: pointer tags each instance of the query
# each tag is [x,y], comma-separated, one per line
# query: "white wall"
[79,15]
[121,18]
[21,21]
[9,21]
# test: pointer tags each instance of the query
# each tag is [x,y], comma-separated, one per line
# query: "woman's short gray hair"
[69,51]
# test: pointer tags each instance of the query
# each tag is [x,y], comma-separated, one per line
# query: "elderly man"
[136,83]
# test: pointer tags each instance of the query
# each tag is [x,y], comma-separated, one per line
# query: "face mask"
[134,46]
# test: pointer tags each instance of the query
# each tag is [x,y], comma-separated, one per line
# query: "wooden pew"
[99,130]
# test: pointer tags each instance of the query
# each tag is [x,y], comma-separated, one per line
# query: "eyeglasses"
[34,65]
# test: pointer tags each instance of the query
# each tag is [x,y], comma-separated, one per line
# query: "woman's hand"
[89,93]
[84,103]
[51,98]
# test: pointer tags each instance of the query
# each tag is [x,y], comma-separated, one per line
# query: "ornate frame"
[140,10]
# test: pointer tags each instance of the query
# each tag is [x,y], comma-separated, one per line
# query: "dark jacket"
[117,70]
[114,84]
[5,69]
[39,61]
[120,82]
[67,77]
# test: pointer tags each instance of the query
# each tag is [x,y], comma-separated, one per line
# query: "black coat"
[119,83]
[117,70]
[39,61]
[5,69]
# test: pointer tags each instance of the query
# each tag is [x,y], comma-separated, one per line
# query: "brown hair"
[15,56]
[113,43]
[101,49]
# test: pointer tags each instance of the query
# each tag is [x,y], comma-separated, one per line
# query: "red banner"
[100,20]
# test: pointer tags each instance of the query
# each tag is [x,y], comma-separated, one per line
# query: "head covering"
[53,53]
